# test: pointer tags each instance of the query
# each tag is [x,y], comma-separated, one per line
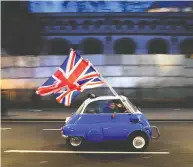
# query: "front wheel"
[74,142]
[138,141]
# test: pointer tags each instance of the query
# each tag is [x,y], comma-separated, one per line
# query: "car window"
[132,105]
[120,106]
[98,107]
[111,106]
[79,110]
[105,107]
[92,108]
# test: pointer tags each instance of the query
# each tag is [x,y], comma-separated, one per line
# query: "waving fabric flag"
[66,96]
[73,76]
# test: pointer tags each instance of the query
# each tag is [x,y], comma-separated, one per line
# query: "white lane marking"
[6,128]
[50,129]
[146,157]
[80,152]
[42,162]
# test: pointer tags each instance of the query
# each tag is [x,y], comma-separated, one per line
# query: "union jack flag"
[74,76]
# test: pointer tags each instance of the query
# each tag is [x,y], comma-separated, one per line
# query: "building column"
[174,46]
[141,47]
[45,47]
[108,45]
[174,49]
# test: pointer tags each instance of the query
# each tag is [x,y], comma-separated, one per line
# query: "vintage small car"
[108,118]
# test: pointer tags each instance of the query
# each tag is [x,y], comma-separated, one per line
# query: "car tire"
[138,141]
[75,142]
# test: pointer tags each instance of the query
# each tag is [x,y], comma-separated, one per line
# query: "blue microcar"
[108,118]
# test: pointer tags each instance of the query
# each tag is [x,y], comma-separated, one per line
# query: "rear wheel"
[138,141]
[74,142]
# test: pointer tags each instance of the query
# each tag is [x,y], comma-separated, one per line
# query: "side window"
[92,108]
[120,106]
[106,106]
[114,106]
[103,104]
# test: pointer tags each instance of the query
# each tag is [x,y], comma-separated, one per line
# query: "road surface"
[173,149]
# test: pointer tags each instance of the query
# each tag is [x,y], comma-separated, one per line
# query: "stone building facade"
[117,33]
[127,43]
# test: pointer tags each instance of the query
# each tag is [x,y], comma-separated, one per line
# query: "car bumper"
[64,136]
[155,128]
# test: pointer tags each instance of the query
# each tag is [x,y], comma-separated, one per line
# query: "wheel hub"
[75,141]
[138,142]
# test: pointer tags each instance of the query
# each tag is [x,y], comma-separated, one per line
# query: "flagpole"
[111,88]
[115,93]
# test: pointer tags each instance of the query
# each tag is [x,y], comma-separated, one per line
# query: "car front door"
[93,122]
[117,127]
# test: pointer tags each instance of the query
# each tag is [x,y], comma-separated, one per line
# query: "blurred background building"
[144,49]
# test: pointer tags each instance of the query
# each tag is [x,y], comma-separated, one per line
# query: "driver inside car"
[110,108]
[120,107]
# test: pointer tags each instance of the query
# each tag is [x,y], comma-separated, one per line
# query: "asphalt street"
[173,149]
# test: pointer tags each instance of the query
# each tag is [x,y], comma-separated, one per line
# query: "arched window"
[59,47]
[186,47]
[92,46]
[158,46]
[124,46]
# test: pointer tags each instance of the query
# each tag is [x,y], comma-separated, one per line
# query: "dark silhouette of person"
[121,108]
[35,99]
[4,103]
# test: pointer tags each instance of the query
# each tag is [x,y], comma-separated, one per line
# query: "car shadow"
[108,147]
[103,147]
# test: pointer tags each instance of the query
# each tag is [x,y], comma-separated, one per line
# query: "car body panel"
[103,127]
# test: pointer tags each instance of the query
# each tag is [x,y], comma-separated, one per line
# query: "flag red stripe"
[78,71]
[44,90]
[90,76]
[72,61]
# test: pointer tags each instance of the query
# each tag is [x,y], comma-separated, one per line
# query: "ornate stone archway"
[59,47]
[124,46]
[158,46]
[92,46]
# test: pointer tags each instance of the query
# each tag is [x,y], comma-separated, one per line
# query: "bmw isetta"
[108,118]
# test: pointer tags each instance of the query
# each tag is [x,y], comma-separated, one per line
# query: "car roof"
[104,98]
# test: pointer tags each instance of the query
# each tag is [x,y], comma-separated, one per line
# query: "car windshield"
[80,108]
[131,104]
